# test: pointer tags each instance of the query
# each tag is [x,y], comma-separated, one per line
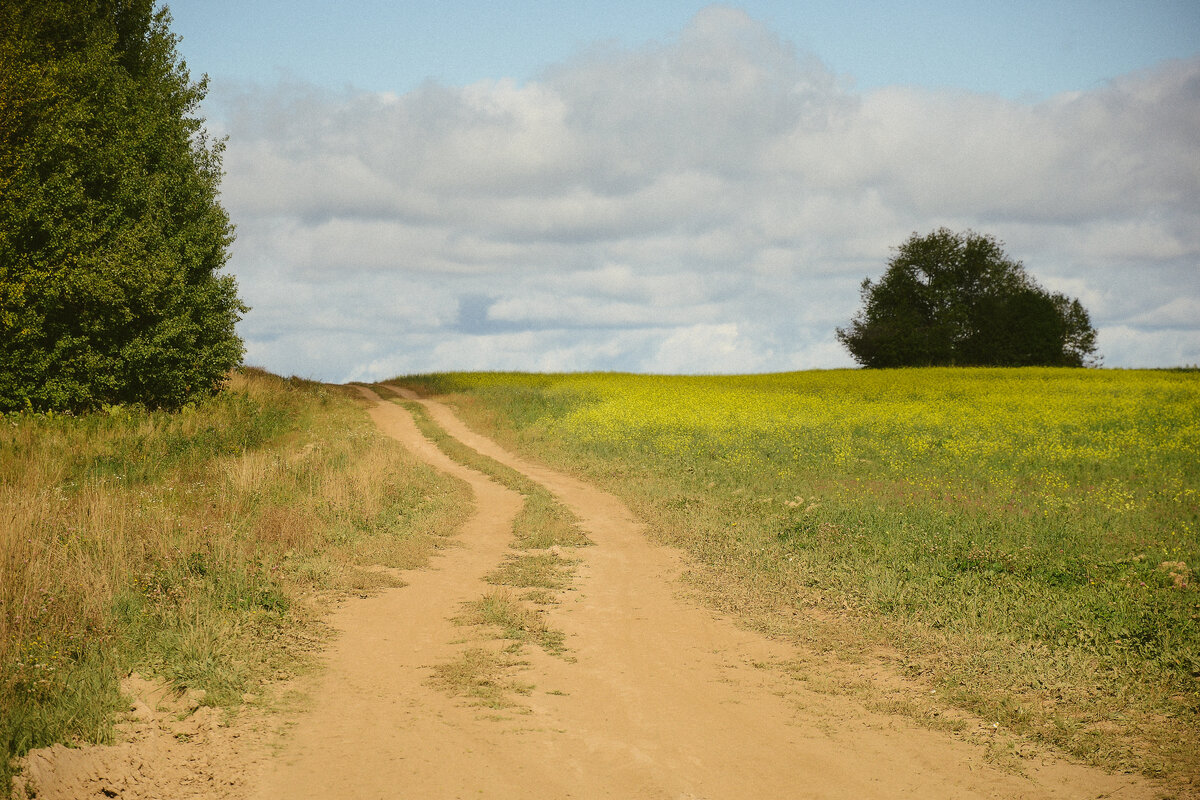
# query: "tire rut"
[667,700]
[659,699]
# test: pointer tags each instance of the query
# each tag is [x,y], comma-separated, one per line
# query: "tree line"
[112,236]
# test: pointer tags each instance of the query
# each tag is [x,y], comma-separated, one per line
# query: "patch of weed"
[543,521]
[533,571]
[514,620]
[483,675]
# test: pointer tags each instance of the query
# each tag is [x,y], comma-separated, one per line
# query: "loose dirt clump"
[170,745]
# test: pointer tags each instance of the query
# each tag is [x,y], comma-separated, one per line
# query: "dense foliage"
[111,233]
[956,299]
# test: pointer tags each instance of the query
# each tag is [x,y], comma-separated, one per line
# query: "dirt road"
[659,699]
[655,697]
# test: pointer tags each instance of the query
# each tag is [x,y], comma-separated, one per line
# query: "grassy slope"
[188,546]
[1026,538]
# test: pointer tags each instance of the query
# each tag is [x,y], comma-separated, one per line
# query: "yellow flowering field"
[1027,536]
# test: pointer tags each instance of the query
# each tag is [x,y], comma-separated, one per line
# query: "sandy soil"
[658,698]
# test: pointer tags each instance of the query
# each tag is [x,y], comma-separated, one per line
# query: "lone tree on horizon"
[956,299]
[111,233]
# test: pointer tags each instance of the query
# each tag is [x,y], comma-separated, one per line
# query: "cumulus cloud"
[706,204]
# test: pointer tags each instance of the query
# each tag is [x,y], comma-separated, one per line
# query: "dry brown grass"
[485,676]
[182,544]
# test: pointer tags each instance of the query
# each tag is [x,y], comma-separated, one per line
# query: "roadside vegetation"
[1026,539]
[194,547]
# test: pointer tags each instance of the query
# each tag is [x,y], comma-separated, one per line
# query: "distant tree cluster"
[111,233]
[956,299]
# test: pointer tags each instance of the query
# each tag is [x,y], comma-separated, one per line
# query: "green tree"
[956,299]
[111,233]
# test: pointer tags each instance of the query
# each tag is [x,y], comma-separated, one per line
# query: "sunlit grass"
[1027,538]
[533,571]
[188,546]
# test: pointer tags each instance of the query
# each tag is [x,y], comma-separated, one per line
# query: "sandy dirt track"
[657,698]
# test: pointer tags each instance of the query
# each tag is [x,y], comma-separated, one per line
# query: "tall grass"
[1027,539]
[187,545]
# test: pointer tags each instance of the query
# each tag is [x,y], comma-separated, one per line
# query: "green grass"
[514,620]
[543,522]
[190,546]
[1027,540]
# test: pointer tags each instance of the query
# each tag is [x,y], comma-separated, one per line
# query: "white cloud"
[705,204]
[1180,313]
[1127,346]
[705,349]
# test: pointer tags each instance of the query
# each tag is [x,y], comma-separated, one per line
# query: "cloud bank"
[707,204]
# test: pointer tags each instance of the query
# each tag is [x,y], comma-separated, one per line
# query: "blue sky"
[678,187]
[1016,49]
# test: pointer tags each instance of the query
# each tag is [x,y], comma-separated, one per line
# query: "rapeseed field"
[1027,538]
